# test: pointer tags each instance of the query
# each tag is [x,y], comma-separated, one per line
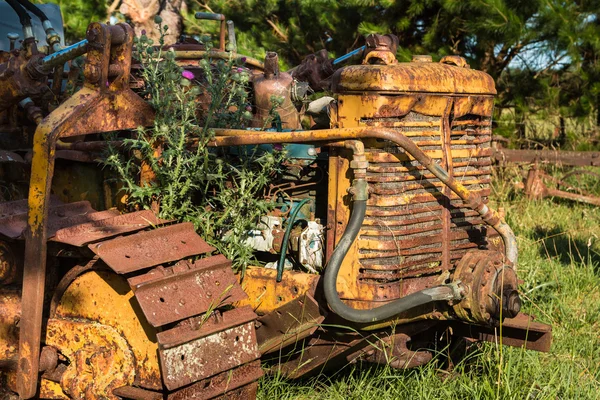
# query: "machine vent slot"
[401,236]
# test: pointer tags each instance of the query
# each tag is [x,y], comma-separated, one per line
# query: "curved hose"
[386,311]
[24,18]
[239,137]
[286,238]
[33,9]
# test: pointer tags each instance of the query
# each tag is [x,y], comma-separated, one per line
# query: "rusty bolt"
[48,358]
[511,303]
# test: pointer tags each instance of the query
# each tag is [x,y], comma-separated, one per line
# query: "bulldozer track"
[207,347]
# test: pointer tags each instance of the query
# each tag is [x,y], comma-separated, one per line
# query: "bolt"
[511,303]
[48,358]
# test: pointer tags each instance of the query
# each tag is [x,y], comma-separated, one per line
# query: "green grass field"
[560,264]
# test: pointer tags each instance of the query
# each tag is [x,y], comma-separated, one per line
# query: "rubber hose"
[24,18]
[379,313]
[34,9]
[286,238]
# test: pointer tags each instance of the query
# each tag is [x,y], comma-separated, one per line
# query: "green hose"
[286,238]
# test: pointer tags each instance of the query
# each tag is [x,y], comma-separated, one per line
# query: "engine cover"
[415,228]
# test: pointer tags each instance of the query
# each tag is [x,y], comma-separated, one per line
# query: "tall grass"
[560,266]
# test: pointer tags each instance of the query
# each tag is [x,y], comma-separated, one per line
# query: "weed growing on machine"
[171,167]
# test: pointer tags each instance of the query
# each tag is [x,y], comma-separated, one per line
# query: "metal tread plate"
[82,234]
[14,221]
[200,348]
[150,248]
[186,289]
[13,207]
[237,383]
[288,324]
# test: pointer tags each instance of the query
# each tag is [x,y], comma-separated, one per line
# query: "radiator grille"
[402,235]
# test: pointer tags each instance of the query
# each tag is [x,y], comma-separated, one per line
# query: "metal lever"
[215,17]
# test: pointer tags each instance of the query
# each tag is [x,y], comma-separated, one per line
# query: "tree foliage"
[542,53]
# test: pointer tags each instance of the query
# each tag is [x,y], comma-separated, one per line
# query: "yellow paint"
[427,77]
[266,295]
[105,297]
[51,390]
[10,311]
[99,358]
[380,96]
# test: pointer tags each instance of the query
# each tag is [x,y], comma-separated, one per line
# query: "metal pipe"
[237,137]
[60,57]
[360,195]
[286,238]
[349,55]
[200,54]
[24,18]
[426,296]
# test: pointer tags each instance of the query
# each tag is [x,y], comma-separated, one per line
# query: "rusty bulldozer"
[404,249]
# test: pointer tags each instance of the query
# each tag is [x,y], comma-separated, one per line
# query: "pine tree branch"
[278,31]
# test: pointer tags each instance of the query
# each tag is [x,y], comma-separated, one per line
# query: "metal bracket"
[104,104]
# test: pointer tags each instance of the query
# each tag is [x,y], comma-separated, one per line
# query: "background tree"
[543,54]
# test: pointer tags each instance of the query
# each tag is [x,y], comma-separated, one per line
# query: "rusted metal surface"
[16,79]
[135,393]
[265,295]
[288,324]
[406,137]
[554,157]
[274,83]
[20,206]
[102,105]
[491,288]
[10,264]
[413,77]
[104,228]
[10,314]
[48,358]
[201,348]
[102,297]
[467,196]
[238,383]
[59,217]
[311,356]
[521,331]
[392,350]
[100,358]
[171,294]
[535,187]
[150,248]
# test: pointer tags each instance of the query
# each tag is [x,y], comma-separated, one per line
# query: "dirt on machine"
[389,244]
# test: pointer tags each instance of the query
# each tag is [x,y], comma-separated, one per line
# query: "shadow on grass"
[566,248]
